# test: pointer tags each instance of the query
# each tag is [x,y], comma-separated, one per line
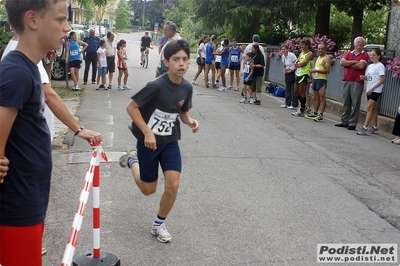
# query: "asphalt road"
[258,187]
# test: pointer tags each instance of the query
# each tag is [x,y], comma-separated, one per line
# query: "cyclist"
[145,42]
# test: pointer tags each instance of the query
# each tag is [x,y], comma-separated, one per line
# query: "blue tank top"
[235,56]
[74,53]
[246,71]
[225,57]
[209,52]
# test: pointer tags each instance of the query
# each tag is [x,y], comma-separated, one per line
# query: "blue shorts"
[102,71]
[168,155]
[210,62]
[318,84]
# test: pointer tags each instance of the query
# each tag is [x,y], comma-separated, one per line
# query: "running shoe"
[373,130]
[126,87]
[284,106]
[307,110]
[298,113]
[319,119]
[229,87]
[291,107]
[257,102]
[222,89]
[363,131]
[251,100]
[194,82]
[120,88]
[396,138]
[124,159]
[244,100]
[310,116]
[161,232]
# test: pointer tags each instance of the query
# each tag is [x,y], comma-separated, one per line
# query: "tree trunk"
[357,23]
[255,28]
[322,19]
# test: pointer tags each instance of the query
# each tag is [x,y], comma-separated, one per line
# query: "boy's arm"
[57,106]
[137,118]
[7,118]
[192,123]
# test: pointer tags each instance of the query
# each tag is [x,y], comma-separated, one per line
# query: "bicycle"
[145,62]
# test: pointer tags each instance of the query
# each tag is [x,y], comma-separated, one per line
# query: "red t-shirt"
[351,74]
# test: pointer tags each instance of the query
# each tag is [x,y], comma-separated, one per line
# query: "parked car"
[59,67]
[369,47]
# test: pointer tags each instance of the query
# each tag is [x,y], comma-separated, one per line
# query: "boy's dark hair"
[226,41]
[175,46]
[120,43]
[16,9]
[250,54]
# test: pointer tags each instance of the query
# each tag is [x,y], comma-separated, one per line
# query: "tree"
[355,9]
[122,16]
[100,7]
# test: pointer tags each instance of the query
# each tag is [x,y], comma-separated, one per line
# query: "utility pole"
[144,8]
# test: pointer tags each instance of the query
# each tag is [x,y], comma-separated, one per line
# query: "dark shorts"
[111,64]
[302,79]
[234,67]
[167,155]
[318,84]
[198,61]
[374,96]
[75,64]
[210,62]
[217,65]
[121,68]
[142,49]
[247,82]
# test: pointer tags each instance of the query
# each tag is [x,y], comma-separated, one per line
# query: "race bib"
[246,68]
[161,123]
[298,70]
[234,58]
[73,52]
[368,78]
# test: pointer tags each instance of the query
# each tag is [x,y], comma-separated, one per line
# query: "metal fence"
[389,101]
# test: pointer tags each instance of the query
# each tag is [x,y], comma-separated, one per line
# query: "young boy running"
[154,111]
[24,137]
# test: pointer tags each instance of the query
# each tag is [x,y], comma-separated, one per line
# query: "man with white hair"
[354,63]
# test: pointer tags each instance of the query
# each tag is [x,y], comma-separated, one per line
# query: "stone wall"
[393,34]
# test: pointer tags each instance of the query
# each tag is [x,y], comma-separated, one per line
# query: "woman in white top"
[288,60]
[201,58]
[374,77]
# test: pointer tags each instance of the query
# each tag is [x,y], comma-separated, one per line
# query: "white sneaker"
[290,107]
[284,106]
[97,87]
[229,87]
[161,232]
[126,87]
[244,100]
[251,100]
[194,82]
[222,89]
[120,88]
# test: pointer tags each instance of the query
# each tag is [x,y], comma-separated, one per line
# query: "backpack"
[270,88]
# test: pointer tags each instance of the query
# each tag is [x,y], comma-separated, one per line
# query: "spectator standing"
[211,49]
[375,77]
[235,57]
[170,31]
[90,56]
[354,64]
[145,42]
[102,65]
[255,40]
[224,53]
[319,83]
[247,76]
[258,73]
[201,58]
[396,129]
[24,192]
[163,41]
[155,124]
[288,61]
[111,49]
[74,58]
[122,67]
[303,66]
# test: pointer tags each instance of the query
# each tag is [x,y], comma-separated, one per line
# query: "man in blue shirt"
[90,56]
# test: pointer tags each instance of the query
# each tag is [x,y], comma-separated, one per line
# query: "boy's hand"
[3,168]
[194,125]
[150,140]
